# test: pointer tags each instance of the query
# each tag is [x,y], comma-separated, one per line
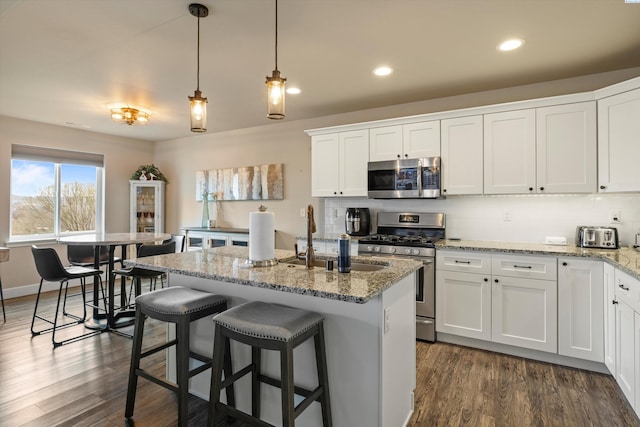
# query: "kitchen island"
[369,329]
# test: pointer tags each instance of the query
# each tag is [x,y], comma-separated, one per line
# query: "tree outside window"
[51,198]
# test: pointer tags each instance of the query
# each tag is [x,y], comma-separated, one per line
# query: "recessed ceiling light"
[510,44]
[383,71]
[293,90]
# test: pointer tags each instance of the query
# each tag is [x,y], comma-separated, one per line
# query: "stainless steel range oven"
[411,235]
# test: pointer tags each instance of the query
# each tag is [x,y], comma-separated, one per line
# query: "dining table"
[113,318]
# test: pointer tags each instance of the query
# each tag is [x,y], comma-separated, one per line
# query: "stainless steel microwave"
[404,179]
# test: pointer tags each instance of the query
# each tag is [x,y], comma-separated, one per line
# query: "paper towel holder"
[249,263]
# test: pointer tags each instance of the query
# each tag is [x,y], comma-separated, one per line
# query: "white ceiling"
[63,62]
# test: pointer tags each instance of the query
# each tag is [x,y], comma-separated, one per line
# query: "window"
[54,192]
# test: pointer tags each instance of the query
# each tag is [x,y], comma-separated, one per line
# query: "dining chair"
[136,274]
[179,239]
[84,256]
[50,269]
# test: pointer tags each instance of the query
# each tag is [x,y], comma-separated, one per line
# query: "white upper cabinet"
[619,142]
[566,148]
[408,141]
[325,150]
[421,139]
[339,164]
[354,156]
[461,145]
[510,152]
[542,150]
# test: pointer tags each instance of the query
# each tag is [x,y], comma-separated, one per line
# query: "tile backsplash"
[526,218]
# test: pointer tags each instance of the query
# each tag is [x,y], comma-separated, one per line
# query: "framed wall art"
[261,182]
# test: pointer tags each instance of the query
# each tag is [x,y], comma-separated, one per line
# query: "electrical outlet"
[614,217]
[333,212]
[506,215]
[303,213]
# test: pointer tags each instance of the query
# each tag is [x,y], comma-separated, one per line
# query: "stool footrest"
[236,376]
[296,389]
[157,348]
[161,382]
[240,416]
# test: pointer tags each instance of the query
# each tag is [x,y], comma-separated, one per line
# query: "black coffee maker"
[357,221]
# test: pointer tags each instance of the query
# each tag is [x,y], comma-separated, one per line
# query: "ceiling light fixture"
[197,103]
[276,86]
[510,44]
[129,116]
[383,71]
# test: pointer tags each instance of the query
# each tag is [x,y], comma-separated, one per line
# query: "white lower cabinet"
[627,336]
[463,304]
[625,351]
[508,299]
[636,333]
[524,313]
[581,309]
[609,318]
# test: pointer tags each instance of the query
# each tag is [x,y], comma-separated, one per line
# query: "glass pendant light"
[276,86]
[198,103]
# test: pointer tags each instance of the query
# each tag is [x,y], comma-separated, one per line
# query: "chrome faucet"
[308,255]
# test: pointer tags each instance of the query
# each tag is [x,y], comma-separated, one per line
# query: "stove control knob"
[376,249]
[392,250]
[369,248]
[407,251]
[416,252]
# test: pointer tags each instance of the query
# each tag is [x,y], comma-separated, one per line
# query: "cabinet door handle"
[522,266]
[486,280]
[495,280]
[462,262]
[530,188]
[541,188]
[623,287]
[398,155]
[564,263]
[602,187]
[444,190]
[614,302]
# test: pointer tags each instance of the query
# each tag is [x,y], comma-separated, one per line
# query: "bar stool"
[180,306]
[271,327]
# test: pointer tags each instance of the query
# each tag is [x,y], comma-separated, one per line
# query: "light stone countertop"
[226,264]
[626,259]
[328,237]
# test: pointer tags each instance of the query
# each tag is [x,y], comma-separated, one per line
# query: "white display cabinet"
[146,206]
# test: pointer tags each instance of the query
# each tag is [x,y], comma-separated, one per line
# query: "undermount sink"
[320,263]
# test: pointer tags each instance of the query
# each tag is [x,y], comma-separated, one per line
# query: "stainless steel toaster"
[597,237]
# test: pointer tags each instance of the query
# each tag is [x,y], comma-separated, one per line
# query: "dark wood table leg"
[97,320]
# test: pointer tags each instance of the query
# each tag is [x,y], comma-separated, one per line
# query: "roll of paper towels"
[261,236]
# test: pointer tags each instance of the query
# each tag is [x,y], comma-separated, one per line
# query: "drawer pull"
[463,262]
[623,287]
[614,302]
[522,266]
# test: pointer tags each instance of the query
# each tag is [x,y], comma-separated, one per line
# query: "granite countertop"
[328,237]
[227,264]
[218,229]
[626,259]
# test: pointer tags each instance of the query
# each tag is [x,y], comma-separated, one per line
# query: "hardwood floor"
[84,384]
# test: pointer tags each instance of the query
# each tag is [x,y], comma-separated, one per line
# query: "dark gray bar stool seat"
[180,306]
[272,327]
